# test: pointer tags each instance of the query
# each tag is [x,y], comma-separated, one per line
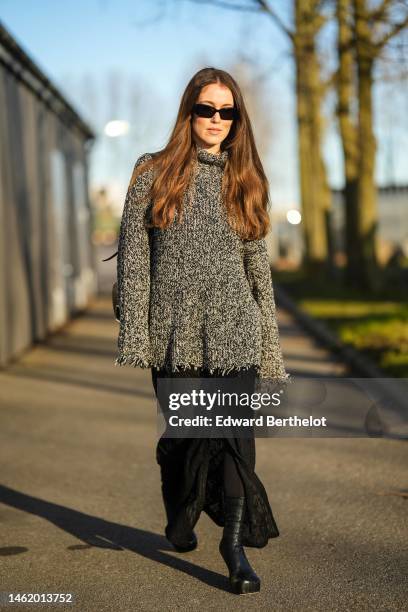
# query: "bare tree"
[310,92]
[363,33]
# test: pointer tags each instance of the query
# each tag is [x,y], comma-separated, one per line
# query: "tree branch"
[379,13]
[260,6]
[330,81]
[275,17]
[396,28]
[228,5]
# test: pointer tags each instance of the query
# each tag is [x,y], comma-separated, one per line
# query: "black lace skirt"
[192,476]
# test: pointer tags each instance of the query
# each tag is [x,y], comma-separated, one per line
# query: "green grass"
[376,327]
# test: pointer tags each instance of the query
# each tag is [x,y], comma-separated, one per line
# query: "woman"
[196,300]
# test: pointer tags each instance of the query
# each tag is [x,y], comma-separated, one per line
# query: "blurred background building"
[392,233]
[285,241]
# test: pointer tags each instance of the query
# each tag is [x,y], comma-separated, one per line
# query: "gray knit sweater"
[194,295]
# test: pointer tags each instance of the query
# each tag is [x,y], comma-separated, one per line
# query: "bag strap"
[108,258]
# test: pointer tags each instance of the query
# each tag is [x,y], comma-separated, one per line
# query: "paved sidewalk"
[81,509]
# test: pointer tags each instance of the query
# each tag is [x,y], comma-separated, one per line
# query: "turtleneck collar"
[216,159]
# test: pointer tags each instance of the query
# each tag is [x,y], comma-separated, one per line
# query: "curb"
[361,364]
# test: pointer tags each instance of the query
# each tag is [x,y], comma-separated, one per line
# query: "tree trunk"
[349,138]
[315,198]
[305,169]
[367,194]
[320,185]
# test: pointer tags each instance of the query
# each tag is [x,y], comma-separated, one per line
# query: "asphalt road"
[81,509]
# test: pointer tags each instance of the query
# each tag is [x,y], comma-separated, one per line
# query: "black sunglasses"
[204,110]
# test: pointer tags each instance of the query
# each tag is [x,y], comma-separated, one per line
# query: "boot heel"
[242,587]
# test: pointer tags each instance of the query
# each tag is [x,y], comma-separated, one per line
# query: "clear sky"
[132,60]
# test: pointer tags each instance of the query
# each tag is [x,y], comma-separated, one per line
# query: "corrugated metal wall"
[47,267]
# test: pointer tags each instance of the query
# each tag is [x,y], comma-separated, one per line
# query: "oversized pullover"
[194,295]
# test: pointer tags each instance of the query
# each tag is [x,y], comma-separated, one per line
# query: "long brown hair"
[245,187]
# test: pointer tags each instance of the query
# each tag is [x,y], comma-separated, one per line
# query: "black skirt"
[192,476]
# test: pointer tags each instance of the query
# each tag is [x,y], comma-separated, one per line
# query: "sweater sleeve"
[133,274]
[258,272]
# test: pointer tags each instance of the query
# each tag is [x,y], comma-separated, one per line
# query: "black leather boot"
[187,542]
[242,577]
